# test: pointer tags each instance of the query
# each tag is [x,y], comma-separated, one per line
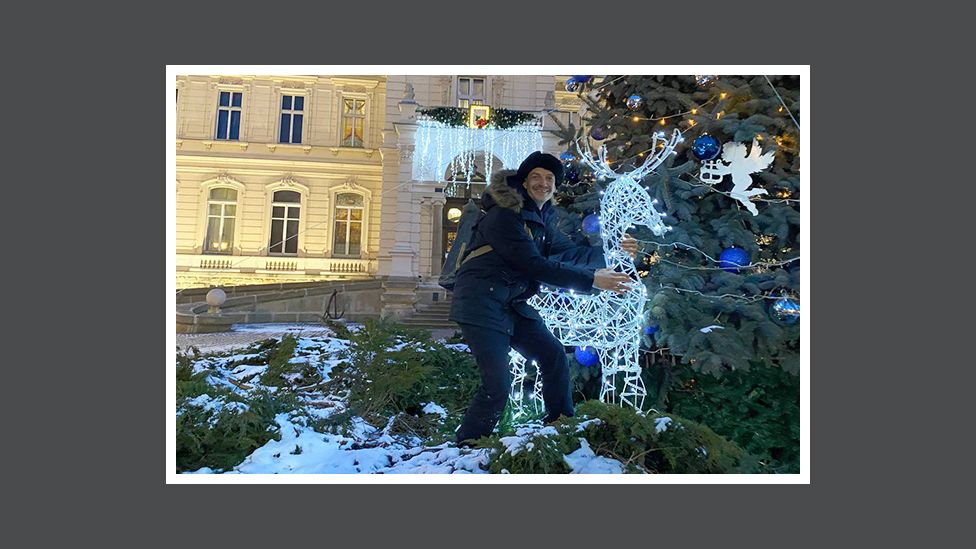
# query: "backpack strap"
[482,250]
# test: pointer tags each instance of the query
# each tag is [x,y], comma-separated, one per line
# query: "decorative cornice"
[344,81]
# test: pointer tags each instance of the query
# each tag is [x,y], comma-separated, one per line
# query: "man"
[515,247]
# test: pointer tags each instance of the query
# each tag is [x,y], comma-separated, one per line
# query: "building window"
[292,115]
[348,224]
[221,213]
[470,91]
[229,115]
[285,213]
[353,120]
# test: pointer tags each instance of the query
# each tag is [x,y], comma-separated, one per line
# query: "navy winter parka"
[492,287]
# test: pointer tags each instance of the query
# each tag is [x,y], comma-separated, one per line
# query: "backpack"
[462,243]
[460,249]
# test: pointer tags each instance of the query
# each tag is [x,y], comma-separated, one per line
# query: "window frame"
[285,220]
[223,217]
[349,186]
[348,223]
[365,118]
[230,110]
[203,207]
[469,98]
[303,138]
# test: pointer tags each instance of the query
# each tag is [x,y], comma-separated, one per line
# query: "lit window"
[229,115]
[221,212]
[348,224]
[353,120]
[285,212]
[470,91]
[292,115]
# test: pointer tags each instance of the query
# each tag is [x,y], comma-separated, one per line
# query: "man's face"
[540,184]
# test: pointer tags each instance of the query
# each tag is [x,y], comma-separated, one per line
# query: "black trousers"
[490,348]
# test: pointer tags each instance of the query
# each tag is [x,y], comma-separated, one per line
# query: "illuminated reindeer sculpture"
[606,321]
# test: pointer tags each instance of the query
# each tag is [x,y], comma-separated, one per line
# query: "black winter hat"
[537,160]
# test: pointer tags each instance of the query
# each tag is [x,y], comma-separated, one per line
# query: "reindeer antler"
[602,167]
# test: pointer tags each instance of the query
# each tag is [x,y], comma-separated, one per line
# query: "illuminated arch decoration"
[440,148]
[608,322]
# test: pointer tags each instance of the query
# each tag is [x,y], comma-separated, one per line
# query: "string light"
[608,321]
[710,258]
[748,299]
[438,147]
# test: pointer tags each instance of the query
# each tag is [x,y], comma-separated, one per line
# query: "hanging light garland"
[447,140]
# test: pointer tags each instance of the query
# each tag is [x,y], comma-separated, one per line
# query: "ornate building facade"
[312,178]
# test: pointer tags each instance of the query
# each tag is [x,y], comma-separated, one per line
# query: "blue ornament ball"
[591,224]
[706,147]
[573,85]
[586,356]
[649,330]
[634,102]
[582,78]
[731,258]
[571,174]
[598,132]
[567,156]
[786,311]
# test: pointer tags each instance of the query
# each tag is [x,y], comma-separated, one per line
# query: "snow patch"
[584,461]
[432,408]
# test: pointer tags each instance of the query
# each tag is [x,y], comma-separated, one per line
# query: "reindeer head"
[625,200]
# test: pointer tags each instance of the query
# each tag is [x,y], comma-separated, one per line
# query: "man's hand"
[608,279]
[629,245]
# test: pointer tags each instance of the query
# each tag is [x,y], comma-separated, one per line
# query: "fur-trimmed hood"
[499,192]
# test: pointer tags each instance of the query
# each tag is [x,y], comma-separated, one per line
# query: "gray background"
[85,387]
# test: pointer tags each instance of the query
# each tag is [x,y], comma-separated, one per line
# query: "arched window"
[285,214]
[221,214]
[348,225]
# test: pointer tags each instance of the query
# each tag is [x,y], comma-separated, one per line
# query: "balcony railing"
[271,265]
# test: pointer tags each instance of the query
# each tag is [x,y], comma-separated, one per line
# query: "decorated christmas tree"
[722,318]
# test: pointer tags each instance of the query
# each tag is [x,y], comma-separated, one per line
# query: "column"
[437,243]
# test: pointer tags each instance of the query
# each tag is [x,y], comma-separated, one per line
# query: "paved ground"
[245,334]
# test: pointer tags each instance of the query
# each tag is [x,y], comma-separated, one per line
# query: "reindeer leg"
[608,364]
[518,379]
[634,390]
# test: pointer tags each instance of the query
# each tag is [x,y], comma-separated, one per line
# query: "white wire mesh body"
[609,322]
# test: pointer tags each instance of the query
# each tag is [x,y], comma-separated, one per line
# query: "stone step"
[415,323]
[429,318]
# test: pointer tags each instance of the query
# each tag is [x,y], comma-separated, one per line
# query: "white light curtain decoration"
[606,321]
[438,147]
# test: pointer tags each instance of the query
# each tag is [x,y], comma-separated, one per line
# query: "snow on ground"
[365,449]
[584,461]
[431,408]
